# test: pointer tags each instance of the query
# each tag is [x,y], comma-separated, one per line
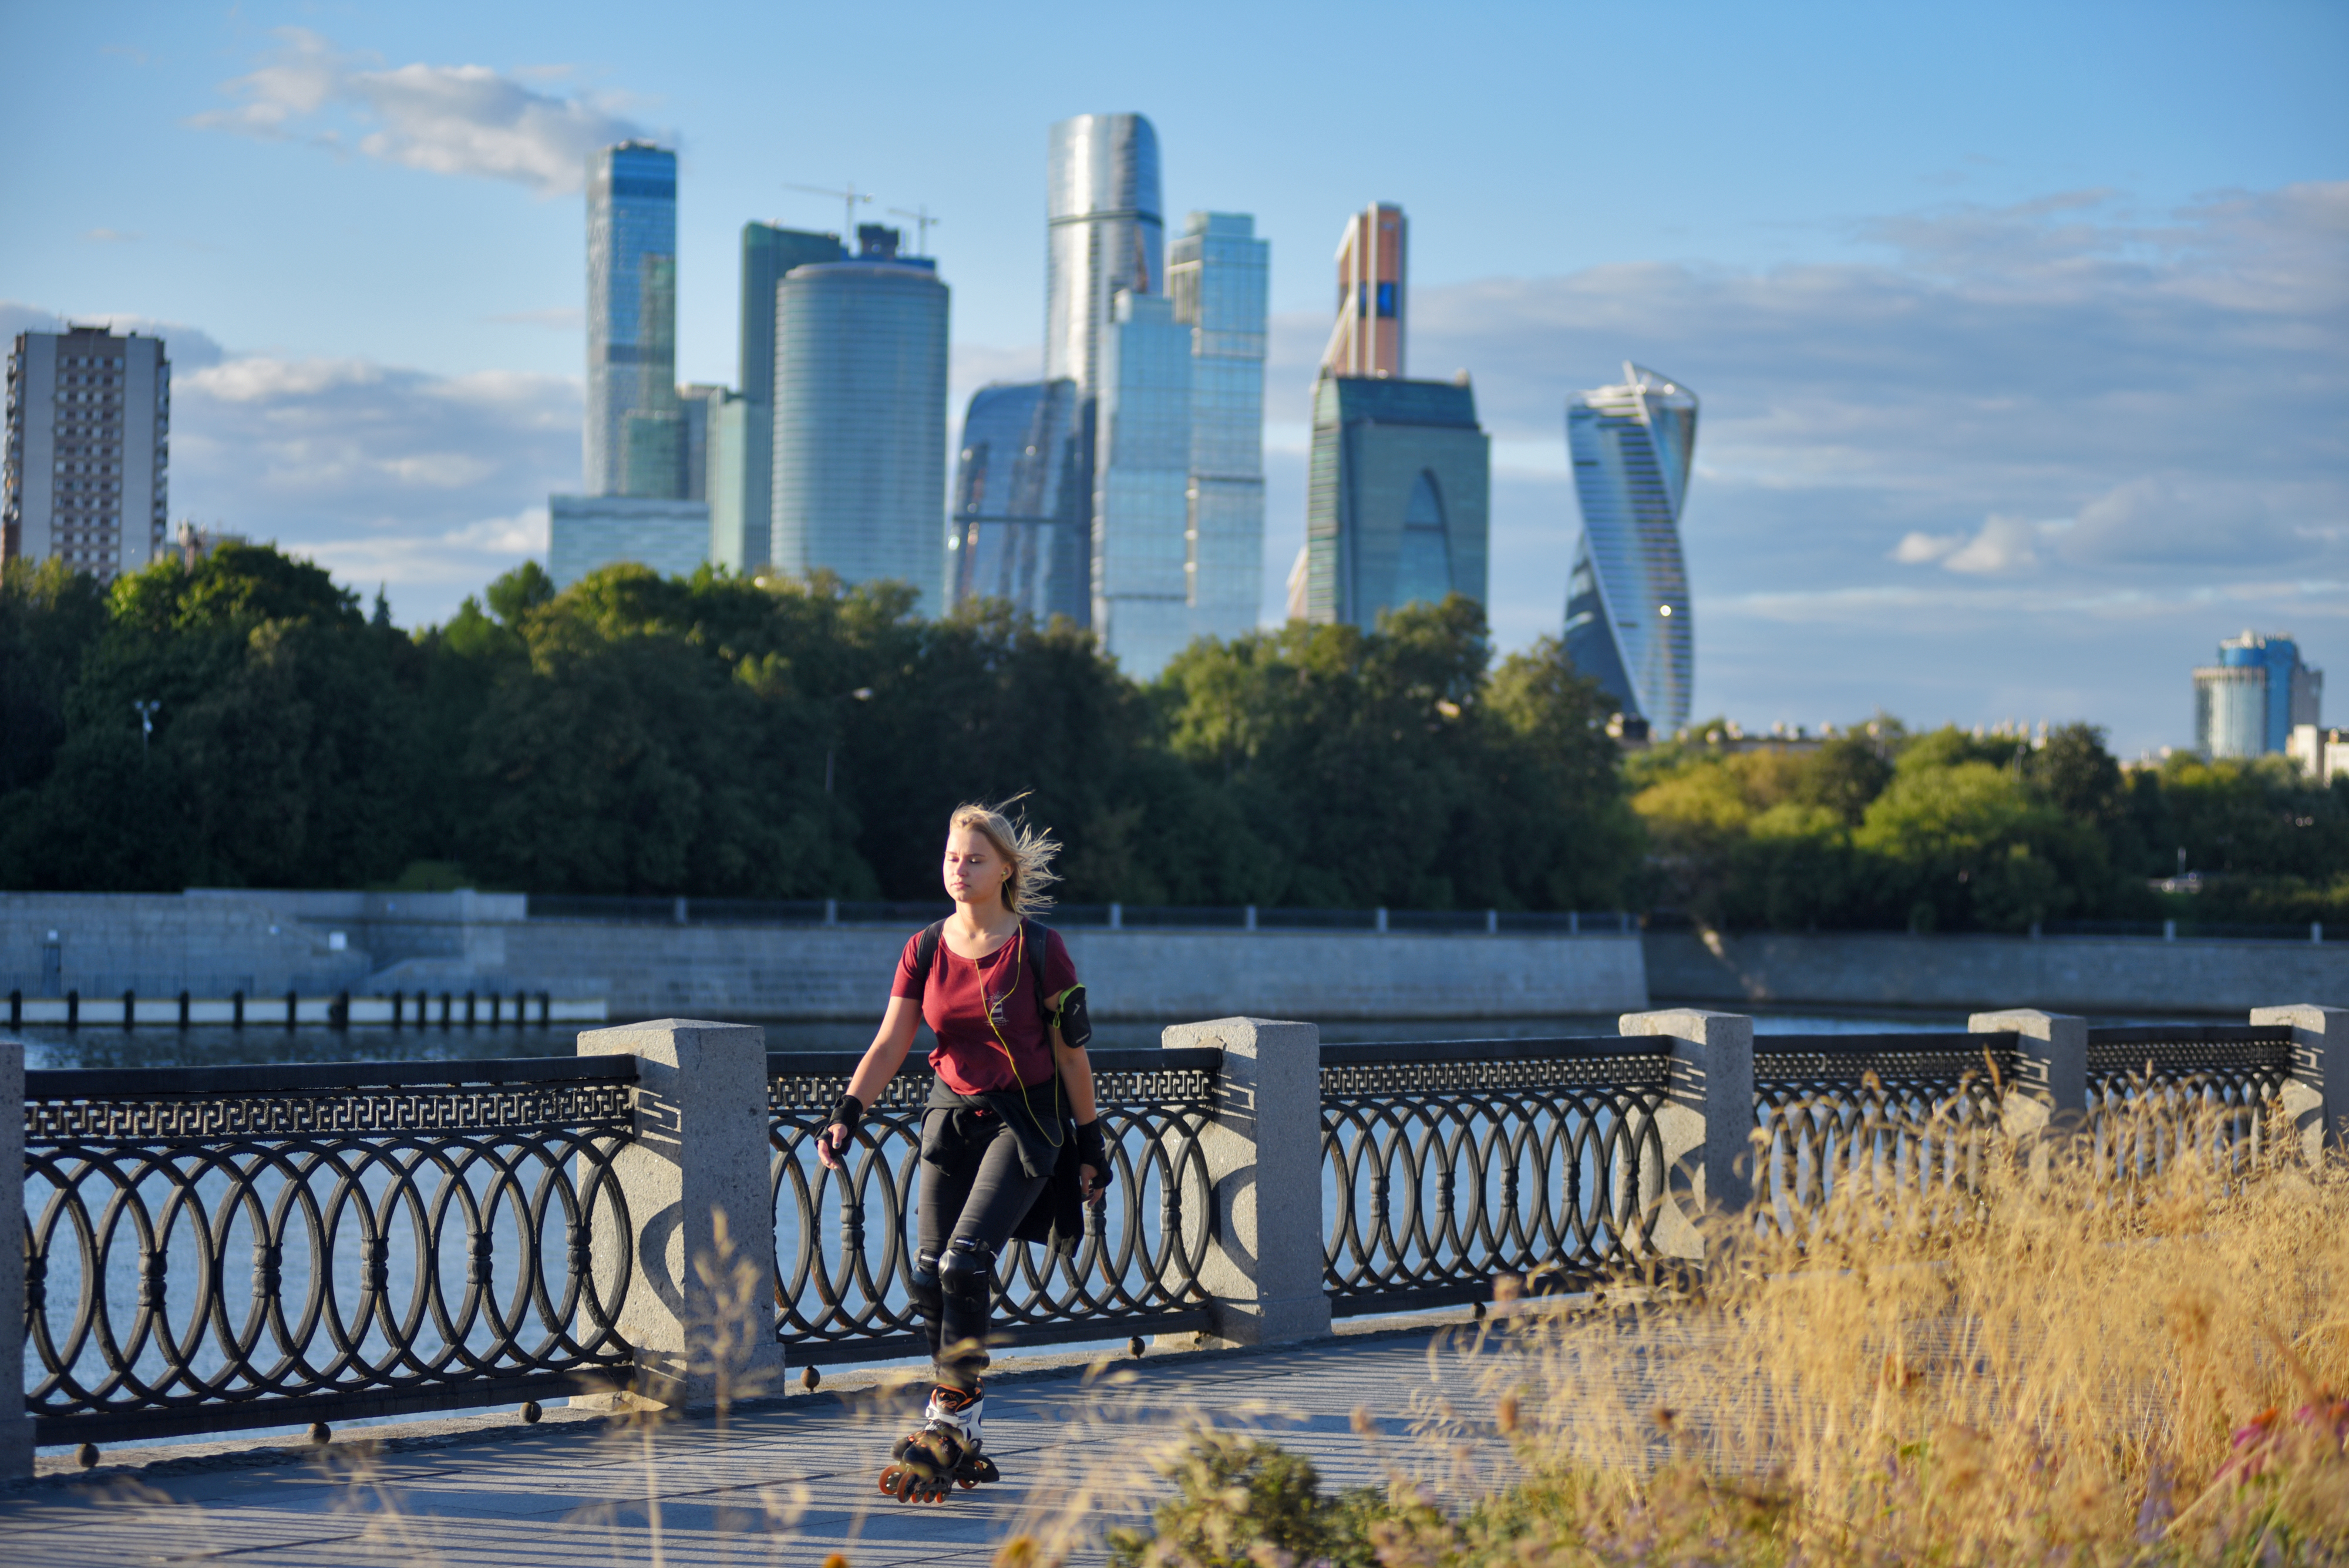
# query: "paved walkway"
[786,1483]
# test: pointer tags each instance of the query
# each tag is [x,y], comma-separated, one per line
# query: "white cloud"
[111,237]
[446,119]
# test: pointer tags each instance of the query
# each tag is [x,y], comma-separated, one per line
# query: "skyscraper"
[768,254]
[1627,601]
[1398,493]
[635,434]
[2249,703]
[588,532]
[90,425]
[1216,277]
[1397,497]
[1021,527]
[1371,297]
[859,418]
[1106,234]
[717,425]
[1142,482]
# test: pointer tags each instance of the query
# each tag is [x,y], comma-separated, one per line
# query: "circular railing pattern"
[2151,1098]
[844,1239]
[176,1268]
[1527,1159]
[1907,1124]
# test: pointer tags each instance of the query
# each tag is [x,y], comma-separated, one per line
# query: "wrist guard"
[848,1113]
[1092,1148]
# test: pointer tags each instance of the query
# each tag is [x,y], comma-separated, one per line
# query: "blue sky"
[2022,332]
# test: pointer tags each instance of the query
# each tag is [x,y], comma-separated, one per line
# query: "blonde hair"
[1027,849]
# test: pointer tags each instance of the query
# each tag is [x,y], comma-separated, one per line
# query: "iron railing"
[1904,1113]
[1446,1164]
[844,1241]
[642,910]
[2155,1091]
[219,1248]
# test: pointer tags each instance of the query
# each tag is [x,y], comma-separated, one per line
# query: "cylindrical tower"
[1106,234]
[860,423]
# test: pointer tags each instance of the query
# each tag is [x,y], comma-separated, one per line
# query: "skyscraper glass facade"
[1372,295]
[768,254]
[1397,497]
[1627,600]
[1216,277]
[1106,233]
[1021,529]
[860,420]
[1141,482]
[2249,703]
[635,438]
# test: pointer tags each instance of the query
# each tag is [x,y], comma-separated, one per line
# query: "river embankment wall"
[265,943]
[2102,975]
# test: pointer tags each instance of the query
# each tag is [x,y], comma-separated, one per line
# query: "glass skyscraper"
[1141,482]
[1021,529]
[1627,601]
[1216,274]
[768,254]
[2249,703]
[635,434]
[861,419]
[1397,497]
[1106,234]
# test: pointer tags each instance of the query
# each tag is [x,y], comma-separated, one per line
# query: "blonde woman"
[1010,1109]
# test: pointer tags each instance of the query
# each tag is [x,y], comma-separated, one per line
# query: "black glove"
[848,1113]
[1093,1149]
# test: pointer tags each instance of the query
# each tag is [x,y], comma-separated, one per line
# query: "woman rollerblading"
[1010,1119]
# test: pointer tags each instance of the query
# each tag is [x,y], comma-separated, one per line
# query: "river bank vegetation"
[715,737]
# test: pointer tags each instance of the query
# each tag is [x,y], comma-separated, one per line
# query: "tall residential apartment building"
[1217,275]
[1105,234]
[769,252]
[1372,295]
[1019,528]
[90,425]
[635,434]
[1398,495]
[1628,622]
[860,420]
[1141,483]
[2250,703]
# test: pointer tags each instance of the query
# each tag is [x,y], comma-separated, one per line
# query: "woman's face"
[974,870]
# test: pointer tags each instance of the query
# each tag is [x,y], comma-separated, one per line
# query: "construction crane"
[922,220]
[848,200]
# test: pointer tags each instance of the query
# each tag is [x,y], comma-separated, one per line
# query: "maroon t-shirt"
[971,1053]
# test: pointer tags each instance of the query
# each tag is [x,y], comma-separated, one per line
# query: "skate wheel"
[966,1482]
[893,1480]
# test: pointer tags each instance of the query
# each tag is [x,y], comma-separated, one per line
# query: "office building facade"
[635,438]
[1106,234]
[1217,275]
[588,532]
[859,418]
[717,425]
[1628,621]
[2249,703]
[1398,497]
[769,254]
[1372,296]
[1141,482]
[86,474]
[1021,529]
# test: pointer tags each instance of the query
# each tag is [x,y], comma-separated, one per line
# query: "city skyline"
[1982,399]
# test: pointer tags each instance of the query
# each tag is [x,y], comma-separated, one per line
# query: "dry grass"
[2054,1368]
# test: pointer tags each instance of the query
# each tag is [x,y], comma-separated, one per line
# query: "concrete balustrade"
[1707,1122]
[2317,1097]
[16,1426]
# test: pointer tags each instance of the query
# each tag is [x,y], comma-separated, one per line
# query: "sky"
[2021,332]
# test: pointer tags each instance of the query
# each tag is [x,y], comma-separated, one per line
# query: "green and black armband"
[1067,1014]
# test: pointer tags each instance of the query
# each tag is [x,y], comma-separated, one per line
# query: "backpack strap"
[925,952]
[1035,939]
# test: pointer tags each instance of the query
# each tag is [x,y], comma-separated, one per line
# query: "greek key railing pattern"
[844,1239]
[2155,1091]
[1904,1113]
[211,1248]
[1447,1164]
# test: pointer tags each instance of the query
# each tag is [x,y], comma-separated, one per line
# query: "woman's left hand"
[1095,1189]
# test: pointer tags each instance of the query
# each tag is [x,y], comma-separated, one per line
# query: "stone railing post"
[15,1427]
[696,1180]
[1264,1158]
[2049,1090]
[2317,1097]
[1707,1121]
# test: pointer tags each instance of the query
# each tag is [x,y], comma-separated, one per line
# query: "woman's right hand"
[834,1139]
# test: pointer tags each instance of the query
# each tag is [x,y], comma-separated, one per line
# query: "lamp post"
[862,694]
[145,726]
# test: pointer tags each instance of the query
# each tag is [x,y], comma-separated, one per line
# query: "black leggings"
[973,1192]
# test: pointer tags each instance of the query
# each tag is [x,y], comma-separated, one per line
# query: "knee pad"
[967,1278]
[922,1288]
